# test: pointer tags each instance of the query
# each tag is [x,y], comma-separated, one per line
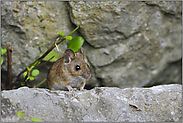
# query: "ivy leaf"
[61,33]
[69,37]
[3,50]
[35,72]
[31,78]
[35,119]
[76,43]
[1,60]
[25,73]
[50,55]
[22,83]
[19,113]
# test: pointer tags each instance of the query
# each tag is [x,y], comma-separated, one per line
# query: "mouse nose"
[86,75]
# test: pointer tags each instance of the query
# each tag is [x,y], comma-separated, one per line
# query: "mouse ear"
[81,50]
[69,54]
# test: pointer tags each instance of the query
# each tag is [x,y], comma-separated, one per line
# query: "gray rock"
[30,28]
[127,43]
[106,104]
[131,43]
[110,22]
[168,6]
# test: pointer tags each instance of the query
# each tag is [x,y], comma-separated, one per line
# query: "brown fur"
[63,72]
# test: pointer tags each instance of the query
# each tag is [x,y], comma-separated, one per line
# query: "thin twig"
[44,62]
[39,66]
[14,80]
[57,47]
[28,75]
[48,51]
[40,83]
[9,67]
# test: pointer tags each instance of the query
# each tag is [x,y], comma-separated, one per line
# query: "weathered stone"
[30,27]
[156,104]
[171,7]
[170,75]
[129,43]
[109,22]
[136,41]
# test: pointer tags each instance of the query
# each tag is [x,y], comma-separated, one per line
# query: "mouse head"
[75,64]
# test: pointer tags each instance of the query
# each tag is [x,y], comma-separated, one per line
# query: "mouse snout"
[86,75]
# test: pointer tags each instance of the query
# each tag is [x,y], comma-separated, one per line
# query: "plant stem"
[9,67]
[45,54]
[40,83]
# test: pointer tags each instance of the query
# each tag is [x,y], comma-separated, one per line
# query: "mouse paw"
[70,88]
[81,89]
[73,89]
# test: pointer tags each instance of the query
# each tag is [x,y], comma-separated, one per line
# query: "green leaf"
[35,72]
[3,50]
[68,37]
[22,83]
[61,33]
[1,60]
[76,43]
[50,55]
[31,78]
[25,73]
[19,113]
[35,119]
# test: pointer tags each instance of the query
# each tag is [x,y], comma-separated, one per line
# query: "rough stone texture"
[111,22]
[156,104]
[171,7]
[131,43]
[127,43]
[30,28]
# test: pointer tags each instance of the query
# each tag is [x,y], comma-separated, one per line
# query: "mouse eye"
[88,66]
[77,67]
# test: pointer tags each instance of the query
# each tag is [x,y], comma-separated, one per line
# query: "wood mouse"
[69,72]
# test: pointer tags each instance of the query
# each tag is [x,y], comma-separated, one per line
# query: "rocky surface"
[132,42]
[30,28]
[111,22]
[127,43]
[106,104]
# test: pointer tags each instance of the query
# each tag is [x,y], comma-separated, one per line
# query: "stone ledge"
[156,104]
